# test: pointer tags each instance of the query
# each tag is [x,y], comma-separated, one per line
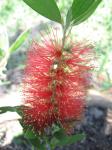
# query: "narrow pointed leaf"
[20,40]
[81,10]
[11,109]
[34,139]
[71,139]
[63,139]
[30,134]
[47,8]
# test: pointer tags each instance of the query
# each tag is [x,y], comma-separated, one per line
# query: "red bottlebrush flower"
[55,84]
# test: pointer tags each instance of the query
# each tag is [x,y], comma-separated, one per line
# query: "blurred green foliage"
[16,16]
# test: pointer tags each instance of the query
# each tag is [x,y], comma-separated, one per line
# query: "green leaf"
[7,108]
[30,134]
[60,134]
[38,144]
[11,109]
[63,139]
[54,142]
[1,53]
[67,140]
[81,10]
[55,129]
[34,139]
[20,40]
[47,8]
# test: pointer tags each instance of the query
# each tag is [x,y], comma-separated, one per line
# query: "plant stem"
[64,35]
[66,31]
[69,31]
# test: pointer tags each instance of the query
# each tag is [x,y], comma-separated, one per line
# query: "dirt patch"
[94,125]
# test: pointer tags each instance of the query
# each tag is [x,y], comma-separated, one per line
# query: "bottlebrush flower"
[55,84]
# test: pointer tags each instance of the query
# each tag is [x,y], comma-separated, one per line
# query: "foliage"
[104,49]
[5,50]
[81,10]
[47,8]
[19,41]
